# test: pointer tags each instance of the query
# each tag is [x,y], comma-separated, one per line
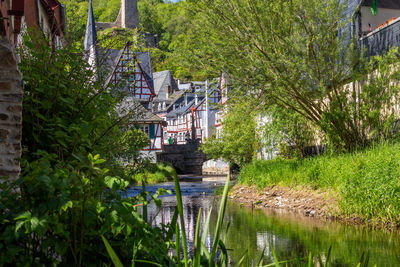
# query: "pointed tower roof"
[91,34]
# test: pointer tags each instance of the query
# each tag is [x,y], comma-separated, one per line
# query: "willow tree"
[302,56]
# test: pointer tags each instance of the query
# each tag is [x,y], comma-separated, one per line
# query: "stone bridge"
[186,158]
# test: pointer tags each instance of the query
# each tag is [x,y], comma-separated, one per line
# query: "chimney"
[128,16]
[167,89]
[179,82]
[196,99]
[186,100]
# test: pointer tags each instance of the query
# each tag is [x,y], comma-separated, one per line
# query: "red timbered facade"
[139,83]
[132,74]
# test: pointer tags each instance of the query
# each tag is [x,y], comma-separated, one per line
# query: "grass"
[158,173]
[367,183]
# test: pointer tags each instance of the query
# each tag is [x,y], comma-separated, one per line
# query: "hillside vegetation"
[172,23]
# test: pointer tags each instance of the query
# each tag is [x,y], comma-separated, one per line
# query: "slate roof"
[184,109]
[141,114]
[161,80]
[169,102]
[184,86]
[181,110]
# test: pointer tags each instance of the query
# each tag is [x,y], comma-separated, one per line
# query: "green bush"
[367,183]
[65,197]
[153,174]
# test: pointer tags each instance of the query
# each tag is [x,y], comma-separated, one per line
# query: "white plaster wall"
[384,14]
[215,167]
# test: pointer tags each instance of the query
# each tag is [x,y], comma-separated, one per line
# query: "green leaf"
[24,215]
[18,225]
[67,205]
[34,223]
[111,253]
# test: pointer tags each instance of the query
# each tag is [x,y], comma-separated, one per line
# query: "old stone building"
[11,16]
[15,15]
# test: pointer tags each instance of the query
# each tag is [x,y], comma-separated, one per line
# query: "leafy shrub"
[65,197]
[155,173]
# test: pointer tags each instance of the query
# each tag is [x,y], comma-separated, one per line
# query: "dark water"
[290,236]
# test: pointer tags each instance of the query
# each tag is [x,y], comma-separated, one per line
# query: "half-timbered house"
[130,73]
[192,116]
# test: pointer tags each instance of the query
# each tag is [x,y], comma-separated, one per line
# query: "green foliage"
[289,54]
[116,38]
[171,22]
[287,131]
[69,113]
[366,182]
[238,141]
[61,210]
[153,174]
[66,195]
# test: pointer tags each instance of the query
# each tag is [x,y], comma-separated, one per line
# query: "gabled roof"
[161,80]
[134,68]
[111,58]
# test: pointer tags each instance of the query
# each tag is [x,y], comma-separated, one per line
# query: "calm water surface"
[289,235]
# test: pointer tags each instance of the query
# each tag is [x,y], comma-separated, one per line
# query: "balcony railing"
[382,39]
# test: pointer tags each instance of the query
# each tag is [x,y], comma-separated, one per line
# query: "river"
[264,231]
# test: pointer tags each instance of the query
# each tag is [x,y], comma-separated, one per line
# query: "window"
[145,129]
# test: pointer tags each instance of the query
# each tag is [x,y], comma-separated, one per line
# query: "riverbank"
[304,201]
[359,187]
[311,203]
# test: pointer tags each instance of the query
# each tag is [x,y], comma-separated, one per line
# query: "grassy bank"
[154,174]
[367,183]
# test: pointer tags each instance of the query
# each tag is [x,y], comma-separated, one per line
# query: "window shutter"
[152,131]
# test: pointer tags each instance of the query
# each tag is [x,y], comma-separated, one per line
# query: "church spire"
[91,37]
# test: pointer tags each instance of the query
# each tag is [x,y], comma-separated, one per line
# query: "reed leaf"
[182,219]
[178,244]
[220,218]
[197,242]
[111,253]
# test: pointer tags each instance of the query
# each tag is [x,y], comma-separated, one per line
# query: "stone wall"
[10,111]
[186,159]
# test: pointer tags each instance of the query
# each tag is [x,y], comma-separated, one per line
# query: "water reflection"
[289,235]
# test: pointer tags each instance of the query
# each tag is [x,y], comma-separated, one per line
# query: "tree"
[238,141]
[286,131]
[300,56]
